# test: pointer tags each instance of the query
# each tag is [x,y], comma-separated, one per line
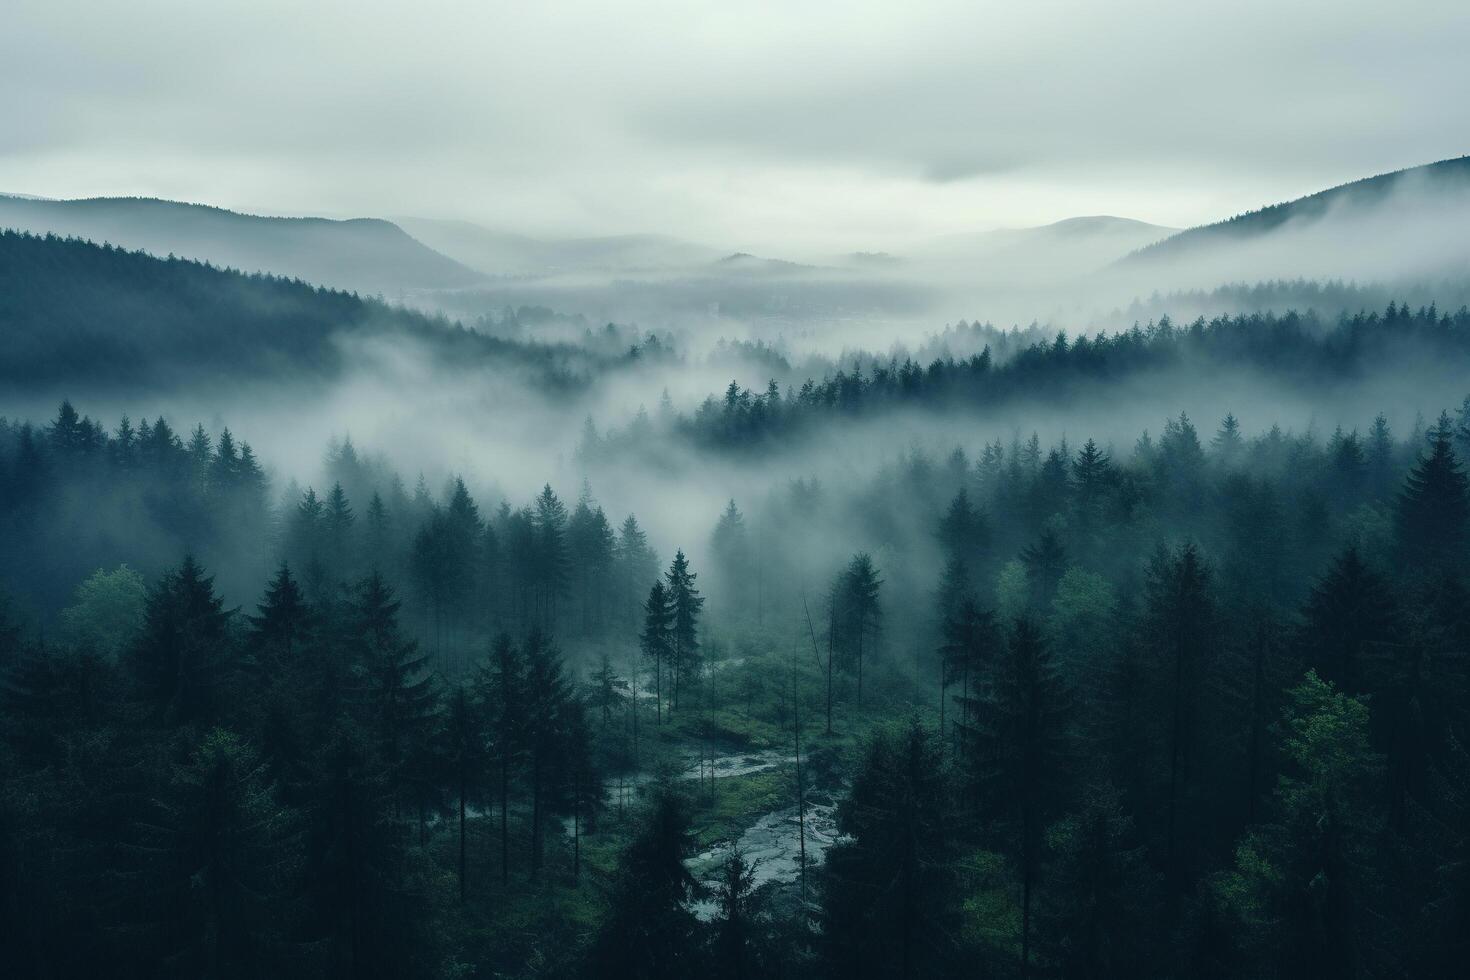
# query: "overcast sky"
[782,127]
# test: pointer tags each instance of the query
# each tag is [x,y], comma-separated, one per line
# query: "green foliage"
[107,610]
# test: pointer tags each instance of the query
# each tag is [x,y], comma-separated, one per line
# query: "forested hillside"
[74,313]
[369,255]
[1190,707]
[1450,178]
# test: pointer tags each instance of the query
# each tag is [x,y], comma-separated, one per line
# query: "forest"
[1191,706]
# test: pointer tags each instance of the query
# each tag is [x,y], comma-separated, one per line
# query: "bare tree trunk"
[461,832]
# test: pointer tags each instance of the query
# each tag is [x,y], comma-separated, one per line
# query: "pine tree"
[1350,614]
[1433,507]
[859,612]
[636,570]
[657,639]
[1020,753]
[1382,465]
[1179,633]
[1092,476]
[500,687]
[297,687]
[685,602]
[963,531]
[223,865]
[460,741]
[394,697]
[551,568]
[363,906]
[1098,906]
[737,951]
[650,933]
[1228,444]
[730,549]
[580,779]
[891,905]
[971,639]
[593,546]
[337,531]
[548,699]
[182,657]
[1045,563]
[377,534]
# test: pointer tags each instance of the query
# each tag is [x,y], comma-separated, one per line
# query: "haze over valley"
[643,491]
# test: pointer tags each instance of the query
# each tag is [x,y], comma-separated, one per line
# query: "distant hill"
[1062,250]
[500,253]
[1408,223]
[103,318]
[368,255]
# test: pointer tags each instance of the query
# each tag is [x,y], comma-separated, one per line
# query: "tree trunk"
[461,833]
[504,817]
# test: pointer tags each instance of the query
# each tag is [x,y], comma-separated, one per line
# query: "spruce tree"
[685,602]
[1020,755]
[1350,615]
[1433,507]
[657,640]
[859,613]
[891,905]
[182,656]
[650,933]
[393,697]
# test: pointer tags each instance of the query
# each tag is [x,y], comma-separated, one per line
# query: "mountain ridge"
[361,254]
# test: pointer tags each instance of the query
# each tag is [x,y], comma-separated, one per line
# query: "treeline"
[75,498]
[1289,347]
[78,314]
[252,795]
[1177,761]
[1194,707]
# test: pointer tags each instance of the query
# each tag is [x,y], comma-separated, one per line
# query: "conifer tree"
[223,863]
[500,687]
[1092,475]
[891,906]
[657,639]
[460,748]
[970,643]
[736,952]
[363,908]
[1020,754]
[551,568]
[1179,631]
[1045,563]
[1350,615]
[963,531]
[548,699]
[730,549]
[685,603]
[182,655]
[650,933]
[1099,904]
[636,570]
[1433,507]
[1302,885]
[859,612]
[337,532]
[1228,444]
[394,697]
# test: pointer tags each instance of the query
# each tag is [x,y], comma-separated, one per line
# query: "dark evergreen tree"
[182,656]
[1020,755]
[1433,507]
[685,603]
[650,933]
[890,904]
[657,640]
